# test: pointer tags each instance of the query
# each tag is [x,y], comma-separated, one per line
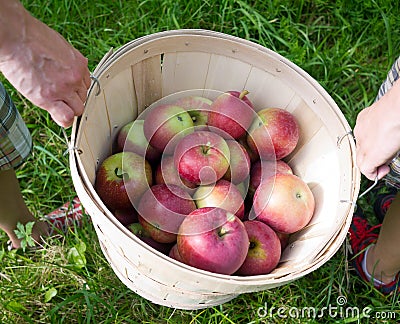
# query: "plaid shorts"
[392,76]
[15,139]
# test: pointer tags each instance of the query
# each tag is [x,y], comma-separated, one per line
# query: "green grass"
[347,46]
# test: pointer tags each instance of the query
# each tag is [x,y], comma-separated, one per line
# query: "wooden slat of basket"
[88,162]
[175,67]
[217,77]
[310,123]
[264,86]
[120,102]
[147,82]
[97,131]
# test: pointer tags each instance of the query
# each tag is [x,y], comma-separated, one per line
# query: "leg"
[13,208]
[383,260]
[376,256]
[15,146]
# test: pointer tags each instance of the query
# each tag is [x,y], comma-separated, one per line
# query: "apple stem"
[222,232]
[119,173]
[206,147]
[243,94]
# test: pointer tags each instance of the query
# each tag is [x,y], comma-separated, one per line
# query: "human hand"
[377,134]
[46,69]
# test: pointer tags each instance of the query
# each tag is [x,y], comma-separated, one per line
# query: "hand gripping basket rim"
[226,287]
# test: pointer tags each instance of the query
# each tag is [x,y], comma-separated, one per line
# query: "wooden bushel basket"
[152,67]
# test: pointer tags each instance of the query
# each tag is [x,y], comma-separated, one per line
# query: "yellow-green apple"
[244,187]
[202,157]
[232,112]
[273,134]
[263,169]
[239,166]
[162,209]
[167,173]
[264,251]
[143,235]
[122,178]
[213,239]
[165,124]
[126,216]
[131,138]
[284,202]
[222,194]
[198,108]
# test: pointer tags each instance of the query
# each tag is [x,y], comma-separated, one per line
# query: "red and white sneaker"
[362,236]
[65,217]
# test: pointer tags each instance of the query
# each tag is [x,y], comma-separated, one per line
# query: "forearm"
[13,24]
[377,133]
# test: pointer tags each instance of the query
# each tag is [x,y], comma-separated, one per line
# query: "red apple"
[131,138]
[213,239]
[273,134]
[165,124]
[126,216]
[263,169]
[284,238]
[284,202]
[232,112]
[202,157]
[239,166]
[121,179]
[143,235]
[223,194]
[254,157]
[243,188]
[264,250]
[162,209]
[167,173]
[174,253]
[198,108]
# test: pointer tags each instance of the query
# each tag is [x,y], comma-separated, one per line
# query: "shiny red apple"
[284,202]
[165,124]
[202,157]
[222,194]
[239,166]
[273,134]
[264,250]
[162,209]
[167,173]
[231,112]
[263,169]
[213,239]
[121,180]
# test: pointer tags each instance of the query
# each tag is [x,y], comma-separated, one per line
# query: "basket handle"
[339,141]
[95,82]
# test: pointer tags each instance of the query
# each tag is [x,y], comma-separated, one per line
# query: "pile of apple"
[205,182]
